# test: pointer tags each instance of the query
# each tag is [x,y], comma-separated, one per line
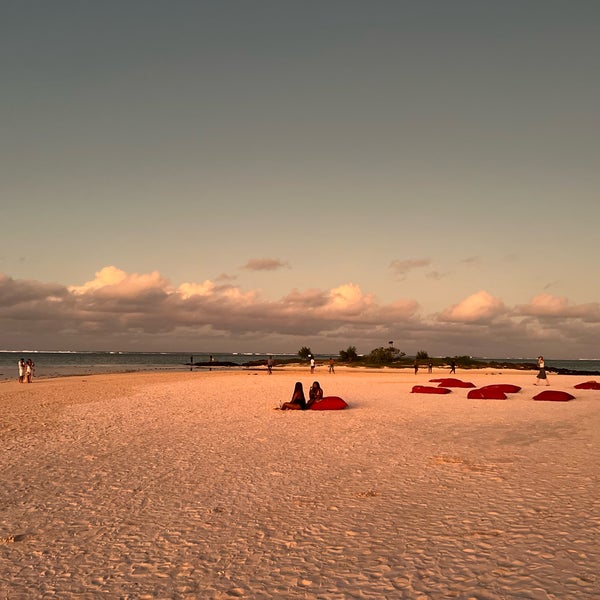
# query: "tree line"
[389,355]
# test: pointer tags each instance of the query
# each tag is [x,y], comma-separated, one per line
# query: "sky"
[265,175]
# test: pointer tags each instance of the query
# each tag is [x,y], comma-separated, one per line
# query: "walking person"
[312,364]
[270,365]
[331,366]
[541,376]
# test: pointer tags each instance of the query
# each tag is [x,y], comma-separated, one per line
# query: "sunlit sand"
[190,485]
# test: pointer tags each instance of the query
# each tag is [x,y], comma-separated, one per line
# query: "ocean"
[62,364]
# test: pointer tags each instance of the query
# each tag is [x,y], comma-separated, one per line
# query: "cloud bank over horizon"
[116,310]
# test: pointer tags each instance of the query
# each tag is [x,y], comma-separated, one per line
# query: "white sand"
[190,485]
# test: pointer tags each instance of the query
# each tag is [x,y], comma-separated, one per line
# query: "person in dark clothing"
[314,394]
[297,401]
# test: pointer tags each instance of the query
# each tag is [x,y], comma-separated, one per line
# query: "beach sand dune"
[190,485]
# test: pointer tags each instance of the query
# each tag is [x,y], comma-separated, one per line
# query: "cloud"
[116,310]
[435,275]
[546,306]
[189,290]
[478,307]
[265,264]
[23,292]
[111,281]
[402,267]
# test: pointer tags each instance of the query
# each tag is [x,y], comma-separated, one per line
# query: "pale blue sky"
[425,152]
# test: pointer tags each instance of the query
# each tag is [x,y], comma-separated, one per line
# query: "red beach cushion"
[429,389]
[455,383]
[329,403]
[507,388]
[554,396]
[486,393]
[588,385]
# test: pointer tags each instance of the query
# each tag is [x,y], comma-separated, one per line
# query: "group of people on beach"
[26,370]
[298,399]
[313,364]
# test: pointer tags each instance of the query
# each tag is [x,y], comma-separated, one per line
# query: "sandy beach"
[191,485]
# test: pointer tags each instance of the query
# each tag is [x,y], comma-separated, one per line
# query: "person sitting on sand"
[298,401]
[315,394]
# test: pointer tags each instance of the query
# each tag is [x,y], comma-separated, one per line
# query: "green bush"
[349,355]
[304,352]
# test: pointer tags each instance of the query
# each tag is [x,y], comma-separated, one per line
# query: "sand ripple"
[191,486]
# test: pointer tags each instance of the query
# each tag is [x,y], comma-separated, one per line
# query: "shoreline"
[293,367]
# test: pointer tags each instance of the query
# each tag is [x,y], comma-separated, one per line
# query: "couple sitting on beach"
[298,400]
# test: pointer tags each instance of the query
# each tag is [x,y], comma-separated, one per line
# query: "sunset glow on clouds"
[477,307]
[123,310]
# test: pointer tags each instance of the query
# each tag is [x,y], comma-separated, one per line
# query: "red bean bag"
[429,389]
[487,393]
[588,385]
[455,383]
[507,388]
[329,403]
[554,396]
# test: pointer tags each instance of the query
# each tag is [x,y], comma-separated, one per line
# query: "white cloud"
[480,306]
[112,281]
[547,305]
[189,290]
[119,310]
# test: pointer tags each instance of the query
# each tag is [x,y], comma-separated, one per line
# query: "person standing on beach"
[331,367]
[416,366]
[430,367]
[452,366]
[312,364]
[22,368]
[29,368]
[270,364]
[542,371]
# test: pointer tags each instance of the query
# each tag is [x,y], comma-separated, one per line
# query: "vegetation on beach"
[391,357]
